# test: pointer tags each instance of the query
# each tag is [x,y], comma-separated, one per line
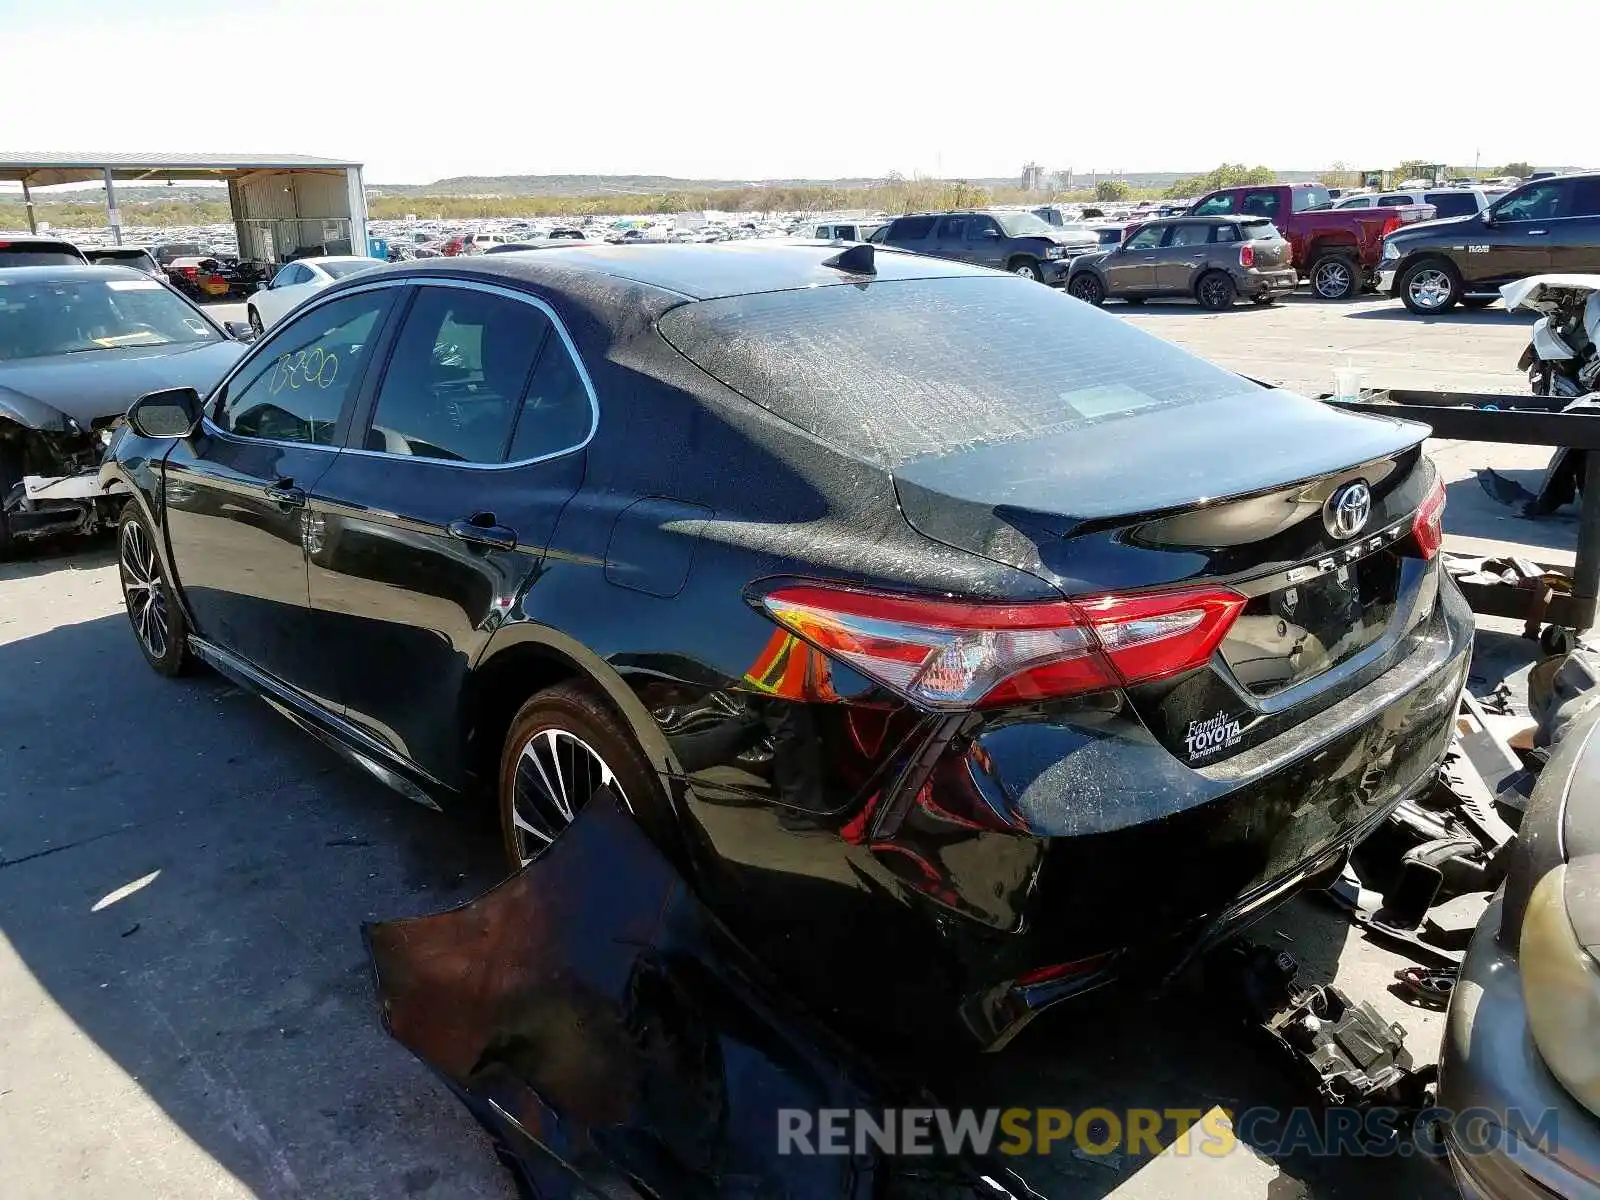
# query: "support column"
[111,209]
[27,203]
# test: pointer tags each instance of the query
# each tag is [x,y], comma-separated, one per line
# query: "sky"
[766,89]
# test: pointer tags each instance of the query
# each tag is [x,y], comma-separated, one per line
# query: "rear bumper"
[1489,1062]
[1267,283]
[1140,899]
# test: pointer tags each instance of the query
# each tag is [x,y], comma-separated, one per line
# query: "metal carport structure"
[281,203]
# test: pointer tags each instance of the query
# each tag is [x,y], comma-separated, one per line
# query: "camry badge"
[1347,510]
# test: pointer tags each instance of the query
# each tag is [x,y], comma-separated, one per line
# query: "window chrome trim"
[572,353]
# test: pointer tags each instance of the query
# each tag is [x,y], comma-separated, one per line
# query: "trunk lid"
[1272,253]
[1240,491]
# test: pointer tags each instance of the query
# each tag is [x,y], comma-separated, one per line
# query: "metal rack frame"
[1525,421]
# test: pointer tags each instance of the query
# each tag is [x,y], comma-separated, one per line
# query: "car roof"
[33,239]
[57,274]
[693,270]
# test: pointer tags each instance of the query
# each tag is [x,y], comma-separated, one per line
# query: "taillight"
[1427,527]
[1247,255]
[960,654]
[1390,224]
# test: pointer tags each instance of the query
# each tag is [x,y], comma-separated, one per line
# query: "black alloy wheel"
[1215,291]
[1086,286]
[562,747]
[157,621]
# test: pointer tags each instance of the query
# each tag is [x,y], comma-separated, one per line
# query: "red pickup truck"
[1335,249]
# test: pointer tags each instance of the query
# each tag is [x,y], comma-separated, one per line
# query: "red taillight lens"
[1389,226]
[958,654]
[1247,256]
[1427,527]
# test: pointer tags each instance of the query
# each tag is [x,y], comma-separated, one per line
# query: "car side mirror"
[169,413]
[1488,216]
[239,331]
[989,235]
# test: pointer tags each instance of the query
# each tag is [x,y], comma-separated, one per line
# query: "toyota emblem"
[1347,509]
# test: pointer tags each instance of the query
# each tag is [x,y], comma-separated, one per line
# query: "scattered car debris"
[616,1041]
[1424,986]
[1347,1052]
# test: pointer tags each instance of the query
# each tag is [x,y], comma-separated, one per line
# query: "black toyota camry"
[965,647]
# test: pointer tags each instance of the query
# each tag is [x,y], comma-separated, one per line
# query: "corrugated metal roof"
[44,168]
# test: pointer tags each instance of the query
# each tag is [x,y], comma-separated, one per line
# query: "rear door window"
[953,229]
[455,380]
[1190,233]
[911,229]
[1215,206]
[1585,198]
[1394,201]
[1262,202]
[914,368]
[1452,204]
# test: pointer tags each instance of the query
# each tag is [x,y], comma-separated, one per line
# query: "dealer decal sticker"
[1212,734]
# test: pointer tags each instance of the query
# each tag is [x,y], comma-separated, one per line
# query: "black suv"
[1019,242]
[1547,225]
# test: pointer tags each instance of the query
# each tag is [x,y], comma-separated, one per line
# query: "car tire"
[1477,301]
[1335,277]
[568,726]
[153,611]
[1086,286]
[1215,290]
[255,320]
[1027,268]
[1430,287]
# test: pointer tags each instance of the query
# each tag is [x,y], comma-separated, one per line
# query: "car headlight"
[1055,252]
[1561,982]
[1390,251]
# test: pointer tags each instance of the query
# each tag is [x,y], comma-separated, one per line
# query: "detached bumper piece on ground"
[615,1041]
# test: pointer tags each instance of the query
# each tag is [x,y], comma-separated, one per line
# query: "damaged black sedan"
[78,344]
[962,646]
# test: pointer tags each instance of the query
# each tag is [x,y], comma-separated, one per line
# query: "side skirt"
[329,728]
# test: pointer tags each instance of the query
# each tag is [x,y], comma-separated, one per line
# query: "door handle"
[1537,232]
[286,495]
[481,529]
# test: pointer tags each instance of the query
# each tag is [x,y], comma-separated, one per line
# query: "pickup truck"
[1337,250]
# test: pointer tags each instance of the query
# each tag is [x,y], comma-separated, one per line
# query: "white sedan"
[299,279]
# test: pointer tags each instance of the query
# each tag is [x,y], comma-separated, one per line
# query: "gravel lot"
[187,1010]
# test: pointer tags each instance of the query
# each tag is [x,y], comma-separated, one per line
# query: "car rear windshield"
[1302,198]
[1259,231]
[119,258]
[350,266]
[44,319]
[37,256]
[901,370]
